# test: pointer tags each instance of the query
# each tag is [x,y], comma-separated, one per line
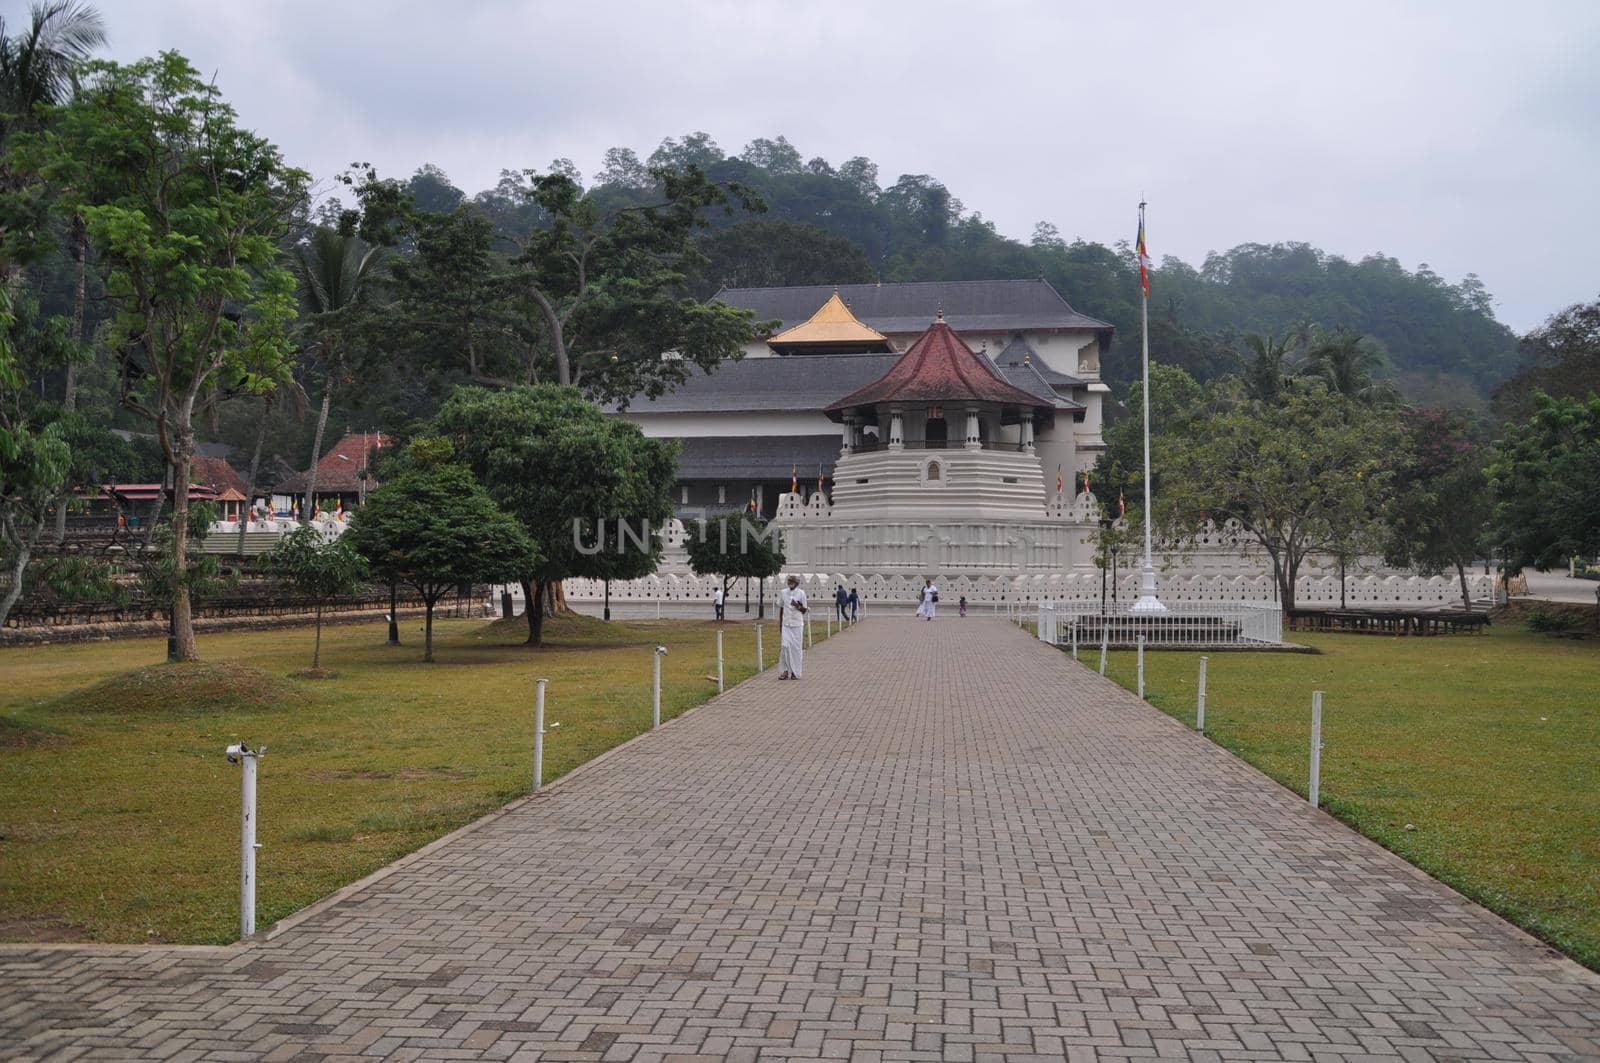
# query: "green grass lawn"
[1488,746]
[119,815]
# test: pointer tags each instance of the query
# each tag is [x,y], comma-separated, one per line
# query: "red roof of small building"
[216,474]
[940,367]
[340,468]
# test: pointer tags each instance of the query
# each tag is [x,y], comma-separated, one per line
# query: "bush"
[1553,623]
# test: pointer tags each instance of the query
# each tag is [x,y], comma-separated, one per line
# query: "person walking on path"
[840,601]
[792,630]
[963,605]
[719,601]
[927,600]
[855,604]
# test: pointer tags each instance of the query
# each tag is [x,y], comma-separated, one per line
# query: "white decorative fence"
[1196,624]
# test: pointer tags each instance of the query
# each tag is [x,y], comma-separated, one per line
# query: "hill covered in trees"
[838,223]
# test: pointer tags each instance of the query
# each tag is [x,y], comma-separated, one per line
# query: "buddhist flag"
[819,476]
[1144,256]
[794,480]
[1060,483]
[1122,504]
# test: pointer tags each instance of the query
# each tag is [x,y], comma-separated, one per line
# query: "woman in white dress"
[927,601]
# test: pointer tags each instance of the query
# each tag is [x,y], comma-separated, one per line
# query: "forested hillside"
[829,223]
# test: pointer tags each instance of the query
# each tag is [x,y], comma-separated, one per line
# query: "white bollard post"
[538,736]
[658,607]
[655,697]
[830,625]
[1316,747]
[1074,638]
[761,656]
[1104,637]
[808,631]
[1141,666]
[245,757]
[719,662]
[1200,702]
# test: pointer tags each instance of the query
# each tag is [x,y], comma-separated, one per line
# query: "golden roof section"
[832,323]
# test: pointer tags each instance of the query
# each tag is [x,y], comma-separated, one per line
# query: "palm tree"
[40,65]
[1273,362]
[1346,362]
[333,268]
[40,68]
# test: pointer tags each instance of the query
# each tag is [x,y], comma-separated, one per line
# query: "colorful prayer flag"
[794,480]
[1060,483]
[1122,504]
[1144,256]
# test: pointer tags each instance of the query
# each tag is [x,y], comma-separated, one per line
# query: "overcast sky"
[1463,135]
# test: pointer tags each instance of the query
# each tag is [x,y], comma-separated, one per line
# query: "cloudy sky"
[1465,135]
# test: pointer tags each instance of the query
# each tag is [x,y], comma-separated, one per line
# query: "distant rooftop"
[969,306]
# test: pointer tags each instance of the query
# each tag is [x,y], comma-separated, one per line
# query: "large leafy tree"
[609,287]
[1546,480]
[1306,475]
[1439,521]
[433,527]
[334,270]
[186,209]
[577,481]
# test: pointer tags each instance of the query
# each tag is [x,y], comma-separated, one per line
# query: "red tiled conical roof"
[940,367]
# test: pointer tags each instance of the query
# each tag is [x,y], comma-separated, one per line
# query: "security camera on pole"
[1148,601]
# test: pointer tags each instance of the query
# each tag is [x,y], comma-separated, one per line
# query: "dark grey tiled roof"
[1029,379]
[757,457]
[791,382]
[969,306]
[1017,352]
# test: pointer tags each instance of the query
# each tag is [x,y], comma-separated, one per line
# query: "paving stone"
[947,842]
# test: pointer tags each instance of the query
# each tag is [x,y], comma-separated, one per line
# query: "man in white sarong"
[927,601]
[792,629]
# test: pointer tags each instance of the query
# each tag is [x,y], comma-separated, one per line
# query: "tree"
[1560,358]
[334,270]
[34,464]
[734,546]
[317,567]
[1545,475]
[1442,502]
[1346,363]
[609,287]
[186,208]
[775,156]
[591,490]
[40,66]
[777,253]
[433,527]
[621,168]
[1307,475]
[1271,362]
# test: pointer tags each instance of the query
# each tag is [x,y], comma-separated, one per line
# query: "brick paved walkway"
[906,855]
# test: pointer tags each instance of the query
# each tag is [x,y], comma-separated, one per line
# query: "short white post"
[245,757]
[1105,635]
[1200,701]
[808,630]
[719,662]
[655,695]
[1074,638]
[658,607]
[1141,666]
[761,656]
[1316,747]
[538,735]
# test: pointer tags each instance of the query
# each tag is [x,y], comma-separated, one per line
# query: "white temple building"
[896,432]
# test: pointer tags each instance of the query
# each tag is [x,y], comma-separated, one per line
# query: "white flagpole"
[1148,601]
